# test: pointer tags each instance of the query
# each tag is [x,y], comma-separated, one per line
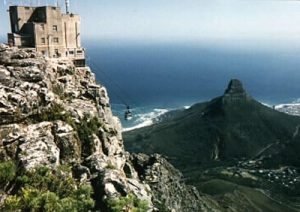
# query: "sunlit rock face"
[44,106]
[55,114]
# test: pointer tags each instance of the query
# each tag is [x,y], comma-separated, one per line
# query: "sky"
[276,21]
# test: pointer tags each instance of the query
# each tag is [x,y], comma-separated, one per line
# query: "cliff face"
[53,114]
[170,193]
[48,109]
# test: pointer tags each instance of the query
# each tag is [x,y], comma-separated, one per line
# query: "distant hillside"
[233,148]
[232,126]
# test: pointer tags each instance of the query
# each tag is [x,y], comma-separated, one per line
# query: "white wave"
[187,107]
[146,119]
[266,104]
[283,105]
[280,106]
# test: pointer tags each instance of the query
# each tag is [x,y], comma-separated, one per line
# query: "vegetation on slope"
[128,203]
[43,189]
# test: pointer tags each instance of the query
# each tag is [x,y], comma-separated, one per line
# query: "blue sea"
[155,77]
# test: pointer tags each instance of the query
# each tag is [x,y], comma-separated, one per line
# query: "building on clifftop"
[48,30]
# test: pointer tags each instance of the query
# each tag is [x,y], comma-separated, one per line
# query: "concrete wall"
[52,33]
[71,24]
[19,41]
[19,16]
[72,36]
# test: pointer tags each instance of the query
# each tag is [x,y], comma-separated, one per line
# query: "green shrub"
[85,130]
[110,166]
[82,197]
[128,203]
[54,113]
[58,90]
[7,171]
[49,190]
[71,71]
[12,203]
[51,202]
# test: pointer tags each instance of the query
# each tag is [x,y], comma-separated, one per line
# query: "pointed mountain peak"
[235,87]
[235,91]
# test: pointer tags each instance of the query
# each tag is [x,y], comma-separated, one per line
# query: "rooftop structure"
[48,30]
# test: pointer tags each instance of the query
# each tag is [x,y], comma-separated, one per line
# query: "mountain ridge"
[235,114]
[235,145]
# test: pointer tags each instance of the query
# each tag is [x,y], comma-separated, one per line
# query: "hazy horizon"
[258,22]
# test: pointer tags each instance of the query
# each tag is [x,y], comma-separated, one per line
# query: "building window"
[79,52]
[27,8]
[55,40]
[53,8]
[54,27]
[42,26]
[71,52]
[44,53]
[43,40]
[57,54]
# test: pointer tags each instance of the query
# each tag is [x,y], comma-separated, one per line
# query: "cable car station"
[48,30]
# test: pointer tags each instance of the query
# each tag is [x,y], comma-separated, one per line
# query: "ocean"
[153,78]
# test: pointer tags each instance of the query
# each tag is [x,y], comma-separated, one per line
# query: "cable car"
[128,114]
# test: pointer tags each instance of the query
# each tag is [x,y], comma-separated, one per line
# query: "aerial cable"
[112,81]
[120,94]
[117,94]
[128,114]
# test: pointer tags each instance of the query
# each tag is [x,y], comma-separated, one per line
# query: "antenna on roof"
[67,6]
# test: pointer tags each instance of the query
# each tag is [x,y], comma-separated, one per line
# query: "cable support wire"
[120,93]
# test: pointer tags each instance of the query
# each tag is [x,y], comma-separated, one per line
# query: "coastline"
[152,115]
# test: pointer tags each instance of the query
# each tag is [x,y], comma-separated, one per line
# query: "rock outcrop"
[53,113]
[235,92]
[167,184]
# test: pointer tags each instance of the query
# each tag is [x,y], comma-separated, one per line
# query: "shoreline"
[151,117]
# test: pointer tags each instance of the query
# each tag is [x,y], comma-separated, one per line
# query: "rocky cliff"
[54,115]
